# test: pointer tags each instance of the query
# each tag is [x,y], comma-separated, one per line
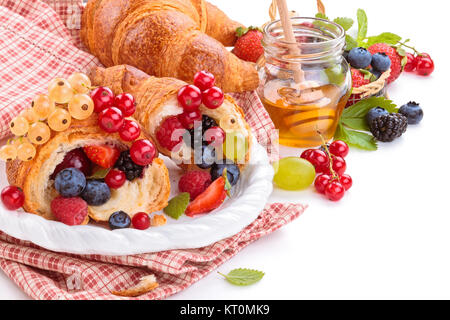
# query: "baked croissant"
[148,193]
[167,38]
[156,100]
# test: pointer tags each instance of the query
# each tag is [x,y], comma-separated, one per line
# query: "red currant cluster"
[190,97]
[330,164]
[421,63]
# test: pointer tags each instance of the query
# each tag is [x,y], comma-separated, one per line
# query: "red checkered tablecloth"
[39,40]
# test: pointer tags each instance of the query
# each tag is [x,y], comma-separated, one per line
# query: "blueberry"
[70,182]
[381,62]
[376,73]
[119,220]
[359,58]
[96,193]
[345,54]
[412,111]
[233,172]
[208,157]
[375,113]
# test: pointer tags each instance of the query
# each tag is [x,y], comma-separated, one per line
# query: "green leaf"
[99,173]
[350,42]
[321,16]
[177,205]
[360,109]
[385,37]
[345,23]
[357,139]
[356,123]
[240,31]
[362,25]
[243,277]
[227,182]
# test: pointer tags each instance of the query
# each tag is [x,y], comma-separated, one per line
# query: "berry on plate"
[213,98]
[189,97]
[194,182]
[233,172]
[71,211]
[119,220]
[70,182]
[248,46]
[141,221]
[359,58]
[59,120]
[96,192]
[126,103]
[207,157]
[412,111]
[74,159]
[110,119]
[394,56]
[12,197]
[188,118]
[103,155]
[103,98]
[204,80]
[215,136]
[130,130]
[127,166]
[209,199]
[143,152]
[170,133]
[115,178]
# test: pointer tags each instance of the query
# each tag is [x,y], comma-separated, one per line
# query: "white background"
[389,237]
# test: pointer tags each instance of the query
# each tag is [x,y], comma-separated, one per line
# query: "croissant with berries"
[167,38]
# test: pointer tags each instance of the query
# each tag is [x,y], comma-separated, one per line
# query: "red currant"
[305,154]
[321,182]
[204,80]
[339,148]
[142,152]
[319,160]
[190,97]
[411,64]
[215,136]
[141,221]
[110,119]
[187,118]
[103,98]
[346,181]
[130,130]
[339,165]
[126,103]
[12,197]
[334,191]
[213,98]
[115,178]
[425,65]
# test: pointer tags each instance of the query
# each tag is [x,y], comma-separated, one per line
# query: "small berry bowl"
[373,89]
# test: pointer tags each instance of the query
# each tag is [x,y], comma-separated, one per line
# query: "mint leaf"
[386,37]
[360,109]
[243,277]
[362,26]
[350,42]
[177,205]
[99,173]
[345,23]
[357,139]
[356,123]
[321,16]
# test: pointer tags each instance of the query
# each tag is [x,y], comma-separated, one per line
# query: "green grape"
[293,173]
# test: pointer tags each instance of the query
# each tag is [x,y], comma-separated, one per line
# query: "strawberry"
[104,156]
[358,78]
[209,199]
[396,59]
[248,46]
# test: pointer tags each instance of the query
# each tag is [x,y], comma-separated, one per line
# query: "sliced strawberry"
[104,156]
[209,199]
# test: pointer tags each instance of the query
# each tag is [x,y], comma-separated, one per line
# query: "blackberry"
[207,123]
[375,113]
[196,135]
[125,164]
[388,127]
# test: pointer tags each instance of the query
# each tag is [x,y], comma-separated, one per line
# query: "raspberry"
[358,78]
[71,211]
[165,133]
[194,182]
[396,59]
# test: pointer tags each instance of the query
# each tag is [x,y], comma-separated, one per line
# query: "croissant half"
[148,193]
[167,38]
[156,100]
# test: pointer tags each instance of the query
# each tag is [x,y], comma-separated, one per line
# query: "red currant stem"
[410,47]
[324,145]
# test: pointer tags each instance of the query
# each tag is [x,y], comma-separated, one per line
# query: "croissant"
[167,38]
[156,100]
[148,193]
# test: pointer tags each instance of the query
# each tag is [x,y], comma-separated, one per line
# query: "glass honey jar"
[304,86]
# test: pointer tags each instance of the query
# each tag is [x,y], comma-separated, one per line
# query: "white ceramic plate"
[248,199]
